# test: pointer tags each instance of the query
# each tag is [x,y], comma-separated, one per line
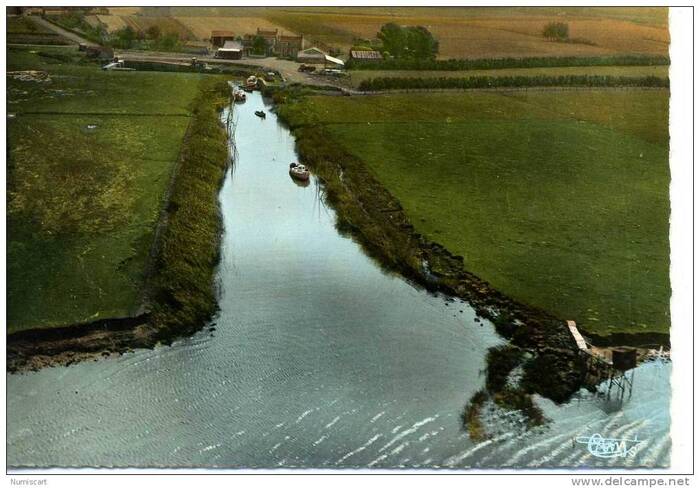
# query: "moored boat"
[298,171]
[251,83]
[260,114]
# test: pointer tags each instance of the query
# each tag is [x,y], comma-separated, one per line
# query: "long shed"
[230,50]
[312,55]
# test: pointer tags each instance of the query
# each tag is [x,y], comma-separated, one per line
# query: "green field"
[22,30]
[558,198]
[358,76]
[90,154]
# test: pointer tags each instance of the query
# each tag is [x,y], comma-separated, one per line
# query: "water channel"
[319,359]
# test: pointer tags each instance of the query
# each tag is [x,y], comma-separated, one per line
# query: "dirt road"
[61,31]
[288,69]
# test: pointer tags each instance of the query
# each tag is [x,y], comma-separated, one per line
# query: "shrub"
[558,31]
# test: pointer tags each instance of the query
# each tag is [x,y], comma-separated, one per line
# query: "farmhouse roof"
[290,38]
[313,51]
[232,46]
[365,55]
[222,33]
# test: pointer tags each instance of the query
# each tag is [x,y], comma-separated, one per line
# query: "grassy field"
[21,30]
[358,76]
[90,154]
[463,32]
[559,199]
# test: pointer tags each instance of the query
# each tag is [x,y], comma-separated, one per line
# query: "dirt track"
[61,31]
[288,69]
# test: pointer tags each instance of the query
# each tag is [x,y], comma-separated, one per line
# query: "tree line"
[504,63]
[388,83]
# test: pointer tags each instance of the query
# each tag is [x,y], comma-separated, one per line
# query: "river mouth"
[318,358]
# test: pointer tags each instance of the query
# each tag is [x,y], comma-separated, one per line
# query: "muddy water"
[319,359]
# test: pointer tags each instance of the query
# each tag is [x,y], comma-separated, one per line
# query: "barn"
[312,55]
[365,56]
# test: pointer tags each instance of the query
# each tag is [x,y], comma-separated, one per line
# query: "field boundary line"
[111,114]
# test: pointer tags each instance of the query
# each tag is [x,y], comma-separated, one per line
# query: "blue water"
[319,359]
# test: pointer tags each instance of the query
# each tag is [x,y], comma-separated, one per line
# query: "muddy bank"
[62,346]
[179,295]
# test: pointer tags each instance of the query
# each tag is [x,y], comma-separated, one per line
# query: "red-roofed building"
[218,37]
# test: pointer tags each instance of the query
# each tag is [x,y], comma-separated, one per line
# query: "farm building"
[230,50]
[365,56]
[218,38]
[312,55]
[269,35]
[289,46]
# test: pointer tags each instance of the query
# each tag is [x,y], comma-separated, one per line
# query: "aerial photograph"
[338,238]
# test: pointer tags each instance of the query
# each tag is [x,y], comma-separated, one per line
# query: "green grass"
[22,30]
[83,203]
[559,199]
[358,76]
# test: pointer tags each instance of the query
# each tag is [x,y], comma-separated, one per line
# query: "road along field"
[90,156]
[556,198]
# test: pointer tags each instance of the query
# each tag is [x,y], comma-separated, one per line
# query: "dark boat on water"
[298,172]
[260,114]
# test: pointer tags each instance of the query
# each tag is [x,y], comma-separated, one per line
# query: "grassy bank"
[90,155]
[558,199]
[183,284]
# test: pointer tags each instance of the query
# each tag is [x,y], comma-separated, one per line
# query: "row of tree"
[379,84]
[408,42]
[504,63]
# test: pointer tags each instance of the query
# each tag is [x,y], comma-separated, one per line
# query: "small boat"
[251,83]
[239,95]
[260,114]
[298,171]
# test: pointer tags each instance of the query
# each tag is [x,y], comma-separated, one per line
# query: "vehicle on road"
[307,68]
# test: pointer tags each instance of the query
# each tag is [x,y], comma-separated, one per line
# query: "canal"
[317,358]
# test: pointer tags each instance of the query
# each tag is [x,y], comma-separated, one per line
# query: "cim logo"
[602,447]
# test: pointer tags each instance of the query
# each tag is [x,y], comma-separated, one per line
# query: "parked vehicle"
[337,73]
[307,68]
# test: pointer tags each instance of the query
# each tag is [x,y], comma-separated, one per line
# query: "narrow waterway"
[319,358]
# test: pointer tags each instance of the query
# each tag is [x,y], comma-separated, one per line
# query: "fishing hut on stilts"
[615,373]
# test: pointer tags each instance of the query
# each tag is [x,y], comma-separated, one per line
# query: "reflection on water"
[318,359]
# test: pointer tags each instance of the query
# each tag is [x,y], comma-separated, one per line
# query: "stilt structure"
[616,374]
